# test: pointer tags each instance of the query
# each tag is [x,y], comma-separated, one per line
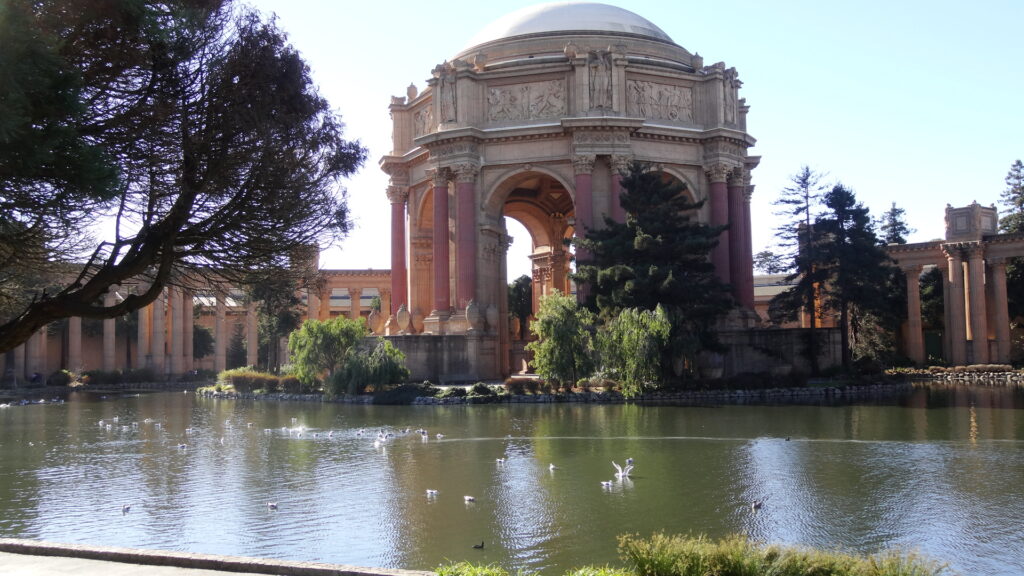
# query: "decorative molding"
[458,148]
[659,101]
[717,172]
[531,101]
[398,194]
[466,172]
[583,164]
[600,137]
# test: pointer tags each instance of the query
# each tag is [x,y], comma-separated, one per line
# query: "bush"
[246,380]
[404,394]
[60,378]
[452,392]
[481,389]
[663,555]
[382,365]
[102,377]
[467,569]
[515,386]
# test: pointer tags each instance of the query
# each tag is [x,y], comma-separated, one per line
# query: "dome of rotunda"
[567,18]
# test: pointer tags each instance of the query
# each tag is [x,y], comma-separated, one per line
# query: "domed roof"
[559,18]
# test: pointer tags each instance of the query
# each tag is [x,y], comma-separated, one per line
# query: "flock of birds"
[380,437]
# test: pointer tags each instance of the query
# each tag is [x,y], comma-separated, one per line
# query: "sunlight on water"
[350,483]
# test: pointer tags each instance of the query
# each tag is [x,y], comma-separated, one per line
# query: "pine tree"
[659,255]
[1013,222]
[893,226]
[858,275]
[799,204]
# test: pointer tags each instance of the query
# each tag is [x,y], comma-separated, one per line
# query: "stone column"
[955,306]
[75,343]
[976,293]
[584,204]
[188,311]
[109,336]
[142,351]
[915,338]
[385,298]
[312,302]
[398,195]
[737,236]
[465,233]
[19,363]
[619,166]
[355,309]
[159,340]
[719,200]
[174,296]
[252,336]
[220,336]
[748,245]
[41,353]
[442,286]
[1001,310]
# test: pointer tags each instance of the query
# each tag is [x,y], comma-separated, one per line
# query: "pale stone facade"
[536,120]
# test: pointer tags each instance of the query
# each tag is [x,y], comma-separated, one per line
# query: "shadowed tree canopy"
[190,128]
[659,255]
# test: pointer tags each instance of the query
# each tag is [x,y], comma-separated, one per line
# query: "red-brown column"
[719,196]
[955,306]
[976,294]
[1002,314]
[584,206]
[398,195]
[748,243]
[619,166]
[737,236]
[465,233]
[915,338]
[442,285]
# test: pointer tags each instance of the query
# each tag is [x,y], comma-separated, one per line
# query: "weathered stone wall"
[450,358]
[778,350]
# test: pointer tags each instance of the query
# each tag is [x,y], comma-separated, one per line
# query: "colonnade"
[733,257]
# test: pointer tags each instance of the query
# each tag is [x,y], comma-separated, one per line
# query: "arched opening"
[538,214]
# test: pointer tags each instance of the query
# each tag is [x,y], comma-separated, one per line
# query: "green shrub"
[481,389]
[515,386]
[452,392]
[60,378]
[404,394]
[292,385]
[467,569]
[102,377]
[362,369]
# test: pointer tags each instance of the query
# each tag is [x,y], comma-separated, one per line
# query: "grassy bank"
[662,555]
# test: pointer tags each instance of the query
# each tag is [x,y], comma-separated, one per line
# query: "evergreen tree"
[893,226]
[1012,222]
[858,274]
[659,255]
[799,205]
[520,300]
[770,263]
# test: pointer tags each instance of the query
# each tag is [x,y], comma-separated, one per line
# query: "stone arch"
[494,197]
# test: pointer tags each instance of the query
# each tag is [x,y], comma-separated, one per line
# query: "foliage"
[799,205]
[520,300]
[202,341]
[633,346]
[104,377]
[662,555]
[60,378]
[364,365]
[452,392]
[1012,222]
[659,255]
[278,315]
[194,124]
[320,348]
[468,569]
[932,299]
[769,262]
[893,226]
[480,389]
[248,380]
[562,351]
[404,394]
[237,354]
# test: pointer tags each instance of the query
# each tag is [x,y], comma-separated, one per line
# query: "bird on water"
[479,546]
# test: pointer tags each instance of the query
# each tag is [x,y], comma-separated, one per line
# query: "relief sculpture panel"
[423,121]
[659,101]
[533,101]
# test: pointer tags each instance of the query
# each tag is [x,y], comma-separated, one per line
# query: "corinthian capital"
[583,164]
[440,177]
[738,177]
[466,172]
[620,163]
[398,194]
[717,172]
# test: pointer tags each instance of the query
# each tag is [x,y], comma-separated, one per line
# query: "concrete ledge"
[194,561]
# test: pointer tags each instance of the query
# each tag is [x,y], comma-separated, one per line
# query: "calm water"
[941,473]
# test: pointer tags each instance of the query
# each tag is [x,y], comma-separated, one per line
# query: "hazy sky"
[912,102]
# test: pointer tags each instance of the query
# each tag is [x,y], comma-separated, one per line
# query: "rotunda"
[535,119]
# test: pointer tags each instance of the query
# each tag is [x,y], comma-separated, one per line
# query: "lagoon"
[940,471]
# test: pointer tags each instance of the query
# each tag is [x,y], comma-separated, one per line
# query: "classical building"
[536,119]
[973,260]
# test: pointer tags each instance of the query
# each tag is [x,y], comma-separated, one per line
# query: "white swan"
[621,472]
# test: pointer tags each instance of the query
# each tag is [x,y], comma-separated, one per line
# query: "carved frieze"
[423,121]
[454,149]
[600,137]
[532,101]
[659,101]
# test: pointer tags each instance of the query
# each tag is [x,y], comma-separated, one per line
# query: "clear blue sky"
[912,102]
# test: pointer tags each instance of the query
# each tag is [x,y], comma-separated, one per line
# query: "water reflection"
[938,471]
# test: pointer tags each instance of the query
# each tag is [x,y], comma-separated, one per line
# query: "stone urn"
[373,321]
[474,317]
[403,318]
[515,327]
